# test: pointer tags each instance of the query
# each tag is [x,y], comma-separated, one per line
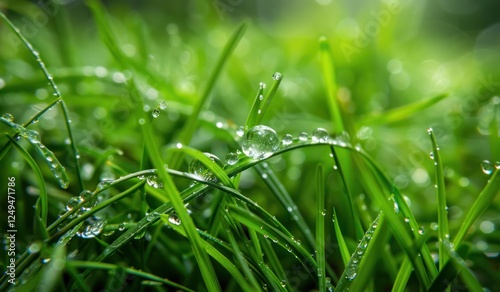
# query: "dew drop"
[407,220]
[262,85]
[8,117]
[154,181]
[277,76]
[155,113]
[287,140]
[150,217]
[283,283]
[199,169]
[323,212]
[231,158]
[431,155]
[121,226]
[487,167]
[73,202]
[142,121]
[320,135]
[163,105]
[91,228]
[261,97]
[421,230]
[174,219]
[303,136]
[260,142]
[240,132]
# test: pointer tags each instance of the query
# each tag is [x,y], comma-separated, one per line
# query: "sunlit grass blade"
[320,227]
[131,271]
[188,130]
[215,254]
[344,251]
[480,205]
[277,77]
[401,113]
[44,204]
[353,267]
[255,110]
[330,81]
[443,229]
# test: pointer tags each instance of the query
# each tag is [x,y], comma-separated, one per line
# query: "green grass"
[104,194]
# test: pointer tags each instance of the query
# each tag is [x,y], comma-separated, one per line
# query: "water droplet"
[487,167]
[91,228]
[283,283]
[431,155]
[45,261]
[154,181]
[323,212]
[421,230]
[240,131]
[277,76]
[261,97]
[163,105]
[320,135]
[319,271]
[497,165]
[343,137]
[303,136]
[262,85]
[178,145]
[287,139]
[150,216]
[8,117]
[104,184]
[174,219]
[231,158]
[199,169]
[73,202]
[121,226]
[35,247]
[260,142]
[155,113]
[142,121]
[266,235]
[35,121]
[407,220]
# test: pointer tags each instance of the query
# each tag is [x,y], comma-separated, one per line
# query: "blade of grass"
[131,271]
[188,130]
[255,111]
[320,227]
[443,229]
[480,205]
[344,251]
[277,77]
[403,112]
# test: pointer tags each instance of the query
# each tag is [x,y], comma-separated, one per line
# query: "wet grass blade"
[320,227]
[255,110]
[44,203]
[190,126]
[443,229]
[353,268]
[105,266]
[401,113]
[277,77]
[480,205]
[344,251]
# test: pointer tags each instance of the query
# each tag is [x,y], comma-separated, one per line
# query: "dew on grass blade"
[174,218]
[260,142]
[91,228]
[431,155]
[8,117]
[154,181]
[231,158]
[199,169]
[73,202]
[303,136]
[155,113]
[320,135]
[163,105]
[277,76]
[287,139]
[487,167]
[262,85]
[240,132]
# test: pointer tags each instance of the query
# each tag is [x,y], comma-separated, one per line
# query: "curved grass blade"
[187,131]
[403,112]
[277,77]
[131,271]
[320,227]
[215,254]
[344,251]
[480,205]
[351,271]
[255,111]
[44,203]
[443,229]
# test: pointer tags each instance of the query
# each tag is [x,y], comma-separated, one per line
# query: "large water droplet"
[487,167]
[199,169]
[277,76]
[154,181]
[91,228]
[8,117]
[231,158]
[260,142]
[174,219]
[73,202]
[320,135]
[287,139]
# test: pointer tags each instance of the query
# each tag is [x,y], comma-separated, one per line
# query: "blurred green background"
[386,54]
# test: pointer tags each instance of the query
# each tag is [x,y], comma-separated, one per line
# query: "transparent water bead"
[154,181]
[155,113]
[277,76]
[487,167]
[91,228]
[303,136]
[320,135]
[240,132]
[8,117]
[174,219]
[73,202]
[163,105]
[260,142]
[199,169]
[231,158]
[287,139]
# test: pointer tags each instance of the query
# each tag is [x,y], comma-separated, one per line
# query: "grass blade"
[277,77]
[255,111]
[344,251]
[443,229]
[403,112]
[320,227]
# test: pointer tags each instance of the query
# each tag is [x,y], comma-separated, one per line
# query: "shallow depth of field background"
[386,55]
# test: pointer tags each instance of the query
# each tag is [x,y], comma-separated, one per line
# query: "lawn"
[236,145]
